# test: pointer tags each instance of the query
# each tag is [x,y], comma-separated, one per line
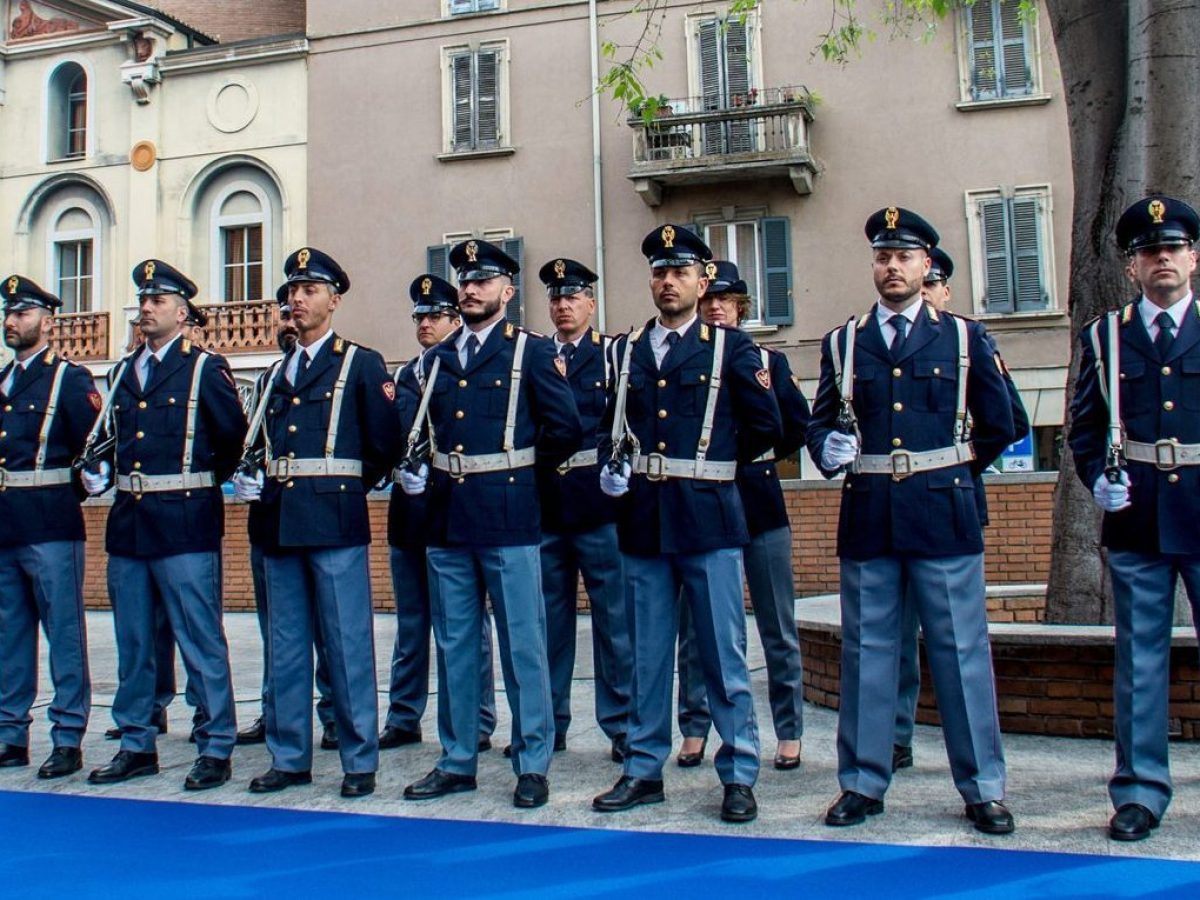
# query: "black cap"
[1157,221]
[281,294]
[311,264]
[431,294]
[564,277]
[153,276]
[723,278]
[899,228]
[21,293]
[941,266]
[476,260]
[196,316]
[674,245]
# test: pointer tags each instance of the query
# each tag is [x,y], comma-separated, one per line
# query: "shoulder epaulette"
[1127,313]
[339,346]
[862,321]
[705,332]
[596,338]
[636,333]
[185,347]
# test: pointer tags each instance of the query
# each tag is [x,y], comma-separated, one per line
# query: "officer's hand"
[615,483]
[839,450]
[96,482]
[248,487]
[413,483]
[1111,496]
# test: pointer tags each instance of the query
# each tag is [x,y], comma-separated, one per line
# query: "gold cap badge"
[560,269]
[891,218]
[668,237]
[302,258]
[148,270]
[1157,210]
[711,270]
[12,286]
[426,286]
[472,250]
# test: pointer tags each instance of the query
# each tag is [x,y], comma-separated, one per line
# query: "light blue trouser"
[408,690]
[949,597]
[594,554]
[460,578]
[188,587]
[768,559]
[327,588]
[910,675]
[1144,600]
[43,583]
[711,586]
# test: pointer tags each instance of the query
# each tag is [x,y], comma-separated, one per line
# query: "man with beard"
[496,402]
[47,408]
[178,424]
[892,409]
[435,313]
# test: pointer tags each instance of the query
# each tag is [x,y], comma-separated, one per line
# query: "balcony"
[242,327]
[760,134]
[81,337]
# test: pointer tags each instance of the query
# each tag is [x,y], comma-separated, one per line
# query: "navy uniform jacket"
[758,482]
[1160,398]
[150,438]
[36,515]
[406,515]
[495,509]
[685,515]
[573,503]
[1020,425]
[911,404]
[327,511]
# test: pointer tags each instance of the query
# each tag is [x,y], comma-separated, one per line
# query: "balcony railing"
[761,134]
[242,327]
[81,337]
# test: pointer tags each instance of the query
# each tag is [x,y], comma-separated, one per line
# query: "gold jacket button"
[896,442]
[458,414]
[140,435]
[3,434]
[462,383]
[1168,405]
[295,401]
[291,429]
[8,407]
[171,401]
[460,480]
[896,373]
[137,465]
[662,382]
[341,487]
[187,493]
[898,407]
[291,484]
[142,404]
[458,448]
[1166,370]
[703,378]
[328,395]
[1172,478]
[937,370]
[662,413]
[662,445]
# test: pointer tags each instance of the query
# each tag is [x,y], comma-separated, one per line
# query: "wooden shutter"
[437,261]
[487,99]
[981,36]
[737,83]
[776,238]
[995,231]
[461,101]
[1029,290]
[513,312]
[1017,77]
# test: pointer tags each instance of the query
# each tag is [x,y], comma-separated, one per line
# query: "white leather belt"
[579,460]
[34,478]
[137,484]
[458,464]
[285,468]
[657,467]
[1165,454]
[900,464]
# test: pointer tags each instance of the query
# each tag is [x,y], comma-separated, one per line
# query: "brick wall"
[236,20]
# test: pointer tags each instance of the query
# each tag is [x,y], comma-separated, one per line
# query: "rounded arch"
[67,109]
[55,185]
[199,183]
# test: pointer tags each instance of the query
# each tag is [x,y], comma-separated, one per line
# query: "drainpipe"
[597,181]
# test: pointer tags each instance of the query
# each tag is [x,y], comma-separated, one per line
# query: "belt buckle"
[137,486]
[563,467]
[283,469]
[454,464]
[1164,455]
[902,466]
[656,467]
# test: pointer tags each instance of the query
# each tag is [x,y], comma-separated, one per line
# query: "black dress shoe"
[1132,822]
[125,765]
[358,784]
[627,793]
[484,745]
[208,772]
[852,809]
[12,756]
[532,790]
[276,780]
[255,734]
[991,817]
[739,804]
[112,734]
[787,763]
[619,747]
[691,760]
[902,757]
[560,741]
[438,784]
[62,761]
[392,737]
[329,737]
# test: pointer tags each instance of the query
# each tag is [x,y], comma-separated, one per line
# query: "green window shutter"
[461,84]
[1014,55]
[737,84]
[997,255]
[437,261]
[1029,292]
[513,312]
[487,99]
[981,37]
[776,238]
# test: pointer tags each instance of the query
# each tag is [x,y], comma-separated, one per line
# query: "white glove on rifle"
[248,487]
[96,482]
[1111,496]
[413,483]
[615,483]
[839,450]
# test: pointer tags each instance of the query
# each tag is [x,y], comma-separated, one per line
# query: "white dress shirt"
[293,363]
[658,338]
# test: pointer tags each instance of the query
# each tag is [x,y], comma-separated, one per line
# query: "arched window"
[239,210]
[67,113]
[239,225]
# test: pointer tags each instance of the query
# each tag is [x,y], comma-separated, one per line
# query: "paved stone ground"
[1056,785]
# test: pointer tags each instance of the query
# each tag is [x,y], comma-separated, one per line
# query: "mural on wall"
[37,20]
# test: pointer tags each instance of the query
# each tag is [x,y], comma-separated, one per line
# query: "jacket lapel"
[490,347]
[323,360]
[924,330]
[1189,333]
[1135,335]
[172,362]
[870,338]
[687,347]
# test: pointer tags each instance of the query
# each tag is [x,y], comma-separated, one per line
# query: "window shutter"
[737,83]
[460,86]
[458,7]
[996,256]
[482,5]
[513,312]
[776,238]
[437,261]
[981,34]
[1027,256]
[708,47]
[487,132]
[1014,55]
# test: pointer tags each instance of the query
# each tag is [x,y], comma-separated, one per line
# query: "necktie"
[672,340]
[1165,338]
[567,352]
[472,349]
[18,376]
[900,324]
[151,368]
[305,361]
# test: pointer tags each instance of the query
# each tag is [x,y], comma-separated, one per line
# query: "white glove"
[248,487]
[1111,496]
[413,483]
[615,483]
[96,482]
[839,450]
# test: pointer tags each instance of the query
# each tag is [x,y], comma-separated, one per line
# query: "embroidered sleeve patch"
[389,390]
[561,365]
[764,378]
[94,399]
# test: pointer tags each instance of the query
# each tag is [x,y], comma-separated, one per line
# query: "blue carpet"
[66,846]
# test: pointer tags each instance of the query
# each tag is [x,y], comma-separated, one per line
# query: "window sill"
[455,156]
[78,158]
[1002,102]
[759,328]
[1049,316]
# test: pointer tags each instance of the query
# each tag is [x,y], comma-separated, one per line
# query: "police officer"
[330,433]
[178,425]
[1135,434]
[690,401]
[768,556]
[256,733]
[496,399]
[435,313]
[47,407]
[905,377]
[579,532]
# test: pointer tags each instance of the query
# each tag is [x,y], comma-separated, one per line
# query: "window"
[243,263]
[476,90]
[72,256]
[724,78]
[463,7]
[437,260]
[1001,51]
[1010,250]
[240,225]
[67,113]
[762,250]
